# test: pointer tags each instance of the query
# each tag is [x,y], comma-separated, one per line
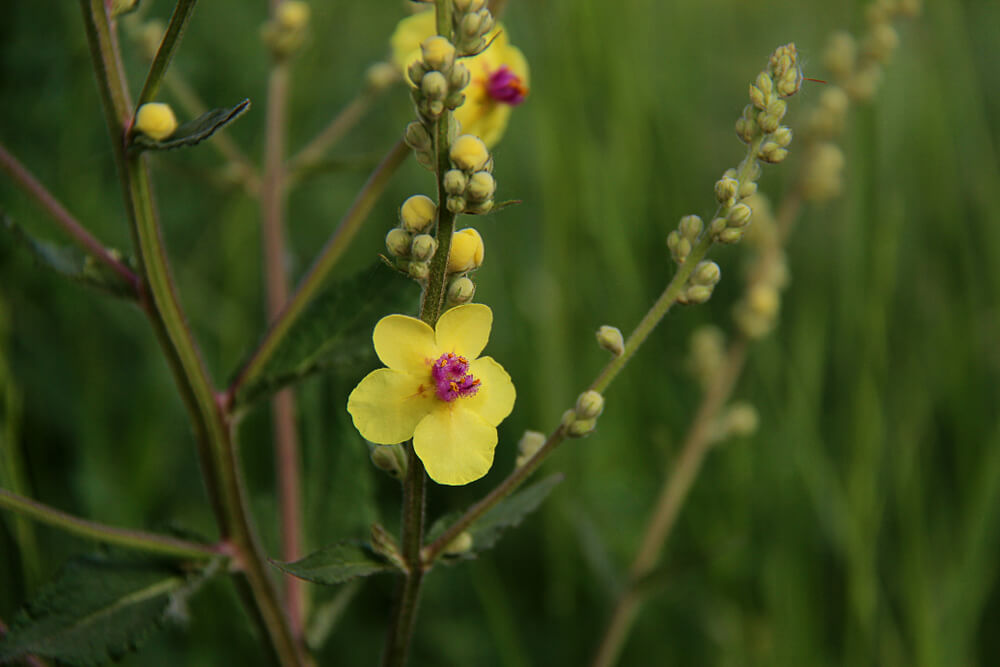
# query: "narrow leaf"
[69,261]
[94,612]
[192,132]
[335,331]
[337,563]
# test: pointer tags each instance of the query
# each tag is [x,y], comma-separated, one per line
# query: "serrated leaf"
[94,612]
[506,514]
[335,331]
[337,563]
[192,132]
[69,261]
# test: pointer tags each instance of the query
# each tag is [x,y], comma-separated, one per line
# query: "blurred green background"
[859,526]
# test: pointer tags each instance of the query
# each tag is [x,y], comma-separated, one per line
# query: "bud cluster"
[756,313]
[470,184]
[706,354]
[581,420]
[411,241]
[472,21]
[438,80]
[285,33]
[701,284]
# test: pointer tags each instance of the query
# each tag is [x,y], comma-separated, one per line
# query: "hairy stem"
[131,539]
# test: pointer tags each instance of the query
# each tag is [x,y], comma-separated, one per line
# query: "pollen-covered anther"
[507,87]
[452,379]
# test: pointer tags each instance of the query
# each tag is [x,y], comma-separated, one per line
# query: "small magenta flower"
[436,390]
[498,76]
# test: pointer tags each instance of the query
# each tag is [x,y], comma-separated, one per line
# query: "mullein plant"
[715,363]
[431,414]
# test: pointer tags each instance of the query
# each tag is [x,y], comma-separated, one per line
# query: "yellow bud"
[417,213]
[156,120]
[467,251]
[455,181]
[434,85]
[438,52]
[292,15]
[763,300]
[741,420]
[423,247]
[469,153]
[481,186]
[589,405]
[739,215]
[380,76]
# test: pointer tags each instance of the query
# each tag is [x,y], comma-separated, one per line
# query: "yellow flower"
[467,251]
[156,120]
[499,76]
[436,390]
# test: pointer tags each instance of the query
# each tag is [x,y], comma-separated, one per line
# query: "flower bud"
[419,270]
[772,153]
[292,15]
[739,215]
[589,405]
[456,204]
[840,55]
[455,181]
[459,77]
[706,273]
[783,136]
[434,86]
[438,53]
[417,213]
[581,427]
[423,247]
[390,458]
[528,445]
[416,71]
[697,294]
[466,252]
[471,25]
[460,545]
[725,190]
[690,227]
[398,242]
[764,300]
[480,207]
[716,226]
[741,420]
[757,96]
[156,120]
[747,189]
[481,186]
[731,235]
[610,338]
[416,136]
[461,290]
[469,153]
[464,6]
[380,76]
[568,417]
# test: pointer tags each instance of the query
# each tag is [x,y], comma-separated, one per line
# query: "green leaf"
[334,331]
[508,513]
[337,563]
[95,611]
[192,132]
[69,261]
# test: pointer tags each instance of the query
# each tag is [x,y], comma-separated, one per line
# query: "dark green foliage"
[192,132]
[68,261]
[95,611]
[338,563]
[335,331]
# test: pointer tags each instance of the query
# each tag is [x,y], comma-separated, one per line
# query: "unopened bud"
[292,15]
[739,215]
[771,152]
[456,204]
[731,235]
[741,420]
[698,294]
[469,153]
[782,136]
[438,53]
[419,270]
[416,136]
[461,290]
[467,251]
[390,458]
[455,181]
[398,242]
[706,273]
[581,427]
[380,76]
[481,186]
[747,189]
[610,338]
[417,213]
[156,120]
[589,405]
[716,226]
[434,86]
[725,190]
[423,247]
[528,446]
[460,545]
[459,77]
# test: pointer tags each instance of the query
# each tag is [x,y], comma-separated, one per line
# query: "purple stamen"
[451,377]
[507,87]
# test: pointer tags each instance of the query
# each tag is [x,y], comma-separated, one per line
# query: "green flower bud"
[156,120]
[460,545]
[717,226]
[455,100]
[481,186]
[731,235]
[679,247]
[480,207]
[741,420]
[690,227]
[416,71]
[757,96]
[581,428]
[455,181]
[398,242]
[419,270]
[470,25]
[423,247]
[469,153]
[461,290]
[292,15]
[417,213]
[739,215]
[390,458]
[459,77]
[589,405]
[771,152]
[456,204]
[697,294]
[747,189]
[434,86]
[438,53]
[611,339]
[416,136]
[840,55]
[706,273]
[782,136]
[725,190]
[568,417]
[530,443]
[380,76]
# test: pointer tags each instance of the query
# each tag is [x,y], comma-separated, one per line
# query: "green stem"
[314,279]
[64,219]
[171,38]
[220,465]
[313,152]
[132,539]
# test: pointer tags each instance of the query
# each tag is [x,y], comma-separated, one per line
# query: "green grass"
[859,526]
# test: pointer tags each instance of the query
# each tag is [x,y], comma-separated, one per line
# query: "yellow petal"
[495,398]
[405,344]
[455,444]
[387,405]
[464,330]
[406,39]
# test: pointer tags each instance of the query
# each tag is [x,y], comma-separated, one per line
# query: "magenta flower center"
[505,86]
[452,379]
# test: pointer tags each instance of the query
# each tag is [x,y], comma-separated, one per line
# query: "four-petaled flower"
[436,390]
[499,76]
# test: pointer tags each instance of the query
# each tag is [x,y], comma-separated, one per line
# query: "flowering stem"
[132,539]
[314,279]
[217,452]
[64,219]
[286,437]
[676,486]
[171,38]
